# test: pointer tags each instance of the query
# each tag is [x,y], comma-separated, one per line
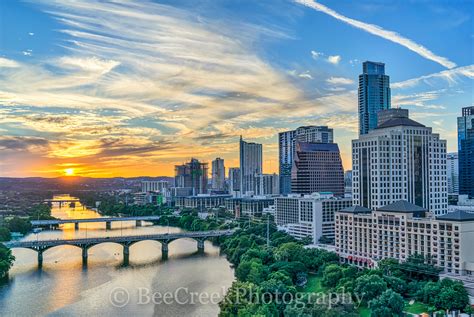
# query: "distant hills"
[74,183]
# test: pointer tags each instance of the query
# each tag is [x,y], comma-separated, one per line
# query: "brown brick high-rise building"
[317,167]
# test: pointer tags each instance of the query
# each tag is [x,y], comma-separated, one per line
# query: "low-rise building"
[202,201]
[154,186]
[398,230]
[249,206]
[309,215]
[254,206]
[145,198]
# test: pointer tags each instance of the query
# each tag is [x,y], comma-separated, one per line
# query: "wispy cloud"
[334,59]
[339,81]
[381,32]
[316,55]
[451,76]
[4,62]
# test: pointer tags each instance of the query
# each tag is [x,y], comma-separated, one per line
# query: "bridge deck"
[118,239]
[103,219]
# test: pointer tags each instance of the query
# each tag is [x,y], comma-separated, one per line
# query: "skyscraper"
[287,145]
[399,160]
[317,167]
[453,173]
[466,151]
[218,174]
[234,181]
[192,175]
[267,184]
[250,164]
[374,94]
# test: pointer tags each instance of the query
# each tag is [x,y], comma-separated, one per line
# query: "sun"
[69,172]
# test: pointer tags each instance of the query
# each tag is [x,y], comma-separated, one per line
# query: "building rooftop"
[356,210]
[395,122]
[402,206]
[310,146]
[457,215]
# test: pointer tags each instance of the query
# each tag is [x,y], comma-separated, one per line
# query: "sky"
[131,88]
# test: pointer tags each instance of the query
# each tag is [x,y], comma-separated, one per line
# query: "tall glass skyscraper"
[466,152]
[250,165]
[374,94]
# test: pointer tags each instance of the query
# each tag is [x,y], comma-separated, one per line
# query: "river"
[63,287]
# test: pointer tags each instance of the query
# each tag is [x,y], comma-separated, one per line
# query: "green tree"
[396,284]
[452,295]
[388,304]
[314,259]
[370,286]
[238,297]
[6,260]
[258,273]
[332,273]
[21,225]
[314,307]
[5,234]
[290,251]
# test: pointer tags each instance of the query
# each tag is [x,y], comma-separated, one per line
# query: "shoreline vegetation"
[280,277]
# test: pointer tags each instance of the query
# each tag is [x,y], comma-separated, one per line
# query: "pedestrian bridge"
[41,246]
[108,221]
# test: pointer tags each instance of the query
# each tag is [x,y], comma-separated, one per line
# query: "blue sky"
[132,88]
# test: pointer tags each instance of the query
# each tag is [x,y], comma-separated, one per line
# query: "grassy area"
[364,311]
[313,285]
[416,308]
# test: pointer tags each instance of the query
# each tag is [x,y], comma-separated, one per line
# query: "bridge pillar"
[164,250]
[126,254]
[60,204]
[200,245]
[40,259]
[108,225]
[138,223]
[76,226]
[84,255]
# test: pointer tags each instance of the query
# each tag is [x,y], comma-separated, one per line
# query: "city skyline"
[82,93]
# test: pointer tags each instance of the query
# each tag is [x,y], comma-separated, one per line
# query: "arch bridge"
[108,221]
[41,246]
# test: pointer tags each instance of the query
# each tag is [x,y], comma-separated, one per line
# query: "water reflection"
[65,287]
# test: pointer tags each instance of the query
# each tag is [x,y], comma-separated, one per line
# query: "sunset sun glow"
[69,172]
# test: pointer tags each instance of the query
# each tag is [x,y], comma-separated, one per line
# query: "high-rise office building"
[317,167]
[287,146]
[400,160]
[234,181]
[374,94]
[466,151]
[452,173]
[250,164]
[267,184]
[192,175]
[218,174]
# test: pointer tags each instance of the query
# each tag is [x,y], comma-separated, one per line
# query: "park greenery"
[266,273]
[6,261]
[22,225]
